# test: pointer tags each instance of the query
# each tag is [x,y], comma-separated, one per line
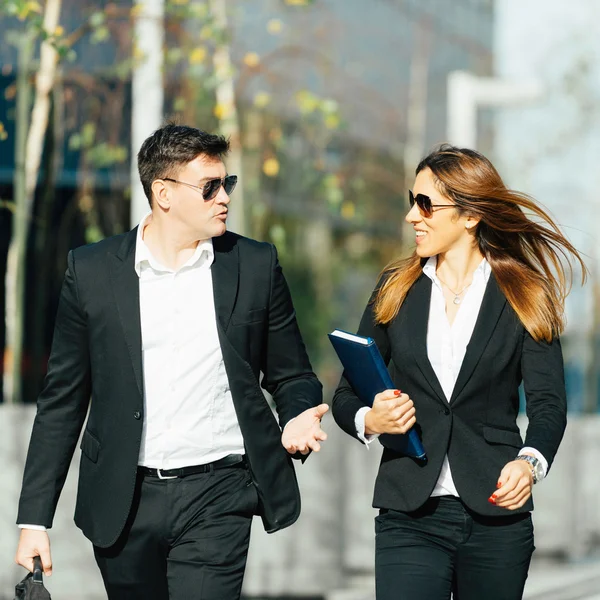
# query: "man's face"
[203,219]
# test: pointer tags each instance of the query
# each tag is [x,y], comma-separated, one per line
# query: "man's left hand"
[303,433]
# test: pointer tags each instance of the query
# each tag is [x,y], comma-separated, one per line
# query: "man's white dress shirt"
[189,417]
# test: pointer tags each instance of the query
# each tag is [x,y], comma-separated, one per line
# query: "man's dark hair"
[172,147]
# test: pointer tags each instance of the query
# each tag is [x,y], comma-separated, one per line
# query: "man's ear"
[161,194]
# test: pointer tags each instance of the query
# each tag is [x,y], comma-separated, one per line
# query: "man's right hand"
[392,412]
[34,543]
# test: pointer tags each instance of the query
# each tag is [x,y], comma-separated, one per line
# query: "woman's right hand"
[392,412]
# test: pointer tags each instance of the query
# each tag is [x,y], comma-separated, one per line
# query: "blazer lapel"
[416,312]
[491,308]
[126,289]
[225,277]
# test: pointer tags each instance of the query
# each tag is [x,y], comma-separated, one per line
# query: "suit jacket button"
[137,415]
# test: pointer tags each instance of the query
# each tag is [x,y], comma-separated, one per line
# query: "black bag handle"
[38,571]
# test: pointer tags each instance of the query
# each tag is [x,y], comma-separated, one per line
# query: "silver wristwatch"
[537,469]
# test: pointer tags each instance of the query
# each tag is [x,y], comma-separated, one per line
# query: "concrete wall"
[331,546]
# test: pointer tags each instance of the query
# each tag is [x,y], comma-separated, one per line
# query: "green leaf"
[179,104]
[97,19]
[75,142]
[174,55]
[88,134]
[104,155]
[93,234]
[101,34]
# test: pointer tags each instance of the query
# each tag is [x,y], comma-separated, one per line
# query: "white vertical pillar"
[147,90]
[462,110]
[467,92]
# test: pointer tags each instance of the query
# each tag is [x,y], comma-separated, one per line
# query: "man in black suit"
[163,333]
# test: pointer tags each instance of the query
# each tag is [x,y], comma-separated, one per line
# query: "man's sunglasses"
[425,205]
[211,188]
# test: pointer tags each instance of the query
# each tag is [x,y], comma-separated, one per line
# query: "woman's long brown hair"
[530,258]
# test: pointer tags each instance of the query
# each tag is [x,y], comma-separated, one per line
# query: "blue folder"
[368,375]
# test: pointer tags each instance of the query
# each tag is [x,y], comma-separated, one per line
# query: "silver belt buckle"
[161,476]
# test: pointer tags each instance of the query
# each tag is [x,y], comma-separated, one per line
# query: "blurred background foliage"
[327,153]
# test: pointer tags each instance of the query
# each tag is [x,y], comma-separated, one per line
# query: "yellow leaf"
[27,9]
[331,121]
[348,210]
[222,111]
[252,59]
[271,167]
[10,92]
[59,31]
[262,99]
[206,32]
[307,101]
[274,26]
[197,55]
[138,53]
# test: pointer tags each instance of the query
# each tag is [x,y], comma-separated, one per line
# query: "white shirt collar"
[482,272]
[143,256]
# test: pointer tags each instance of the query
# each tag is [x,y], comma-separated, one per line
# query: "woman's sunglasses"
[211,188]
[425,205]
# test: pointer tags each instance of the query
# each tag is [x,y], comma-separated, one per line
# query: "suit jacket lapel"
[416,312]
[126,289]
[491,308]
[225,276]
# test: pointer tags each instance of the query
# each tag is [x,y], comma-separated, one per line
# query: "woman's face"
[444,230]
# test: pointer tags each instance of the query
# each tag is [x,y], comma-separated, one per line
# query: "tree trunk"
[147,91]
[43,257]
[26,173]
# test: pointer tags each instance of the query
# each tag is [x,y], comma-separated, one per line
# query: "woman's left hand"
[514,485]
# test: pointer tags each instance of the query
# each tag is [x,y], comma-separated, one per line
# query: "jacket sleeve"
[345,403]
[546,399]
[61,409]
[288,374]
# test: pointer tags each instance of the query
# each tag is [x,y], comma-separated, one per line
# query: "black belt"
[231,460]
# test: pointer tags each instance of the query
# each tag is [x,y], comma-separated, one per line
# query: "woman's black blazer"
[477,426]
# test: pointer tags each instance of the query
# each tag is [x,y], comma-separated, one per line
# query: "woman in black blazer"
[475,311]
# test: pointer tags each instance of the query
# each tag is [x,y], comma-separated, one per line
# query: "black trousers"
[186,539]
[444,548]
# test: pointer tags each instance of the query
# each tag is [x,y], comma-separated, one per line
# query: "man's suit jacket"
[97,354]
[477,427]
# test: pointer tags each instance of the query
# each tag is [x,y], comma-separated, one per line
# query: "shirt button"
[137,415]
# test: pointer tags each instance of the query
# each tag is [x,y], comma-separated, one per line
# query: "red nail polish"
[498,485]
[492,500]
[397,392]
